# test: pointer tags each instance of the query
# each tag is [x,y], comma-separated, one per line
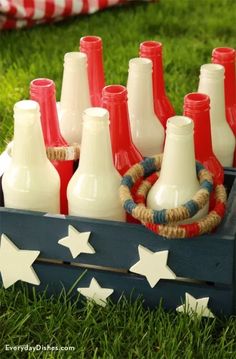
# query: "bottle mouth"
[75,58]
[140,64]
[90,42]
[114,93]
[25,111]
[42,86]
[96,113]
[196,101]
[212,71]
[150,48]
[223,54]
[180,125]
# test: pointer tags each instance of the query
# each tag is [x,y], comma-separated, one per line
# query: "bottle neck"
[96,75]
[215,90]
[96,154]
[226,57]
[230,84]
[75,88]
[119,124]
[157,76]
[28,143]
[43,92]
[140,94]
[178,164]
[202,132]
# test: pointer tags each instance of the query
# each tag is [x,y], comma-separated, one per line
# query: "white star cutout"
[77,242]
[96,293]
[16,264]
[194,305]
[153,266]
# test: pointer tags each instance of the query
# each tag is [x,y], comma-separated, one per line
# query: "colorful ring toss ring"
[164,221]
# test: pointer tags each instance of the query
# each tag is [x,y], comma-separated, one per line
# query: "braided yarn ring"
[147,215]
[68,153]
[147,172]
[203,225]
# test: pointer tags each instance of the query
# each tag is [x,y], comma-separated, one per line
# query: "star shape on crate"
[77,242]
[153,265]
[16,264]
[96,293]
[195,305]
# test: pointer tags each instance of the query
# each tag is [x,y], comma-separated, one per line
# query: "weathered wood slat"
[55,277]
[208,258]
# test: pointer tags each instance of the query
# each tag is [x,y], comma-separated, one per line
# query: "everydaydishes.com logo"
[38,347]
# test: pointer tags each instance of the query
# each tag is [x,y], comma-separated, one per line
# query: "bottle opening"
[114,93]
[75,58]
[90,42]
[213,71]
[150,48]
[180,125]
[25,110]
[26,106]
[96,112]
[41,86]
[196,101]
[224,54]
[140,64]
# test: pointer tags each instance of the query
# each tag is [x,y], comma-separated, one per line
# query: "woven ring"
[164,216]
[201,226]
[68,153]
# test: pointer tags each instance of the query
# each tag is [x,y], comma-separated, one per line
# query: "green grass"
[116,331]
[189,30]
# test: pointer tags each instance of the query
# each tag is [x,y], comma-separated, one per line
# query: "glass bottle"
[125,154]
[92,47]
[223,140]
[43,91]
[197,107]
[74,96]
[178,179]
[30,182]
[147,131]
[162,105]
[226,57]
[93,191]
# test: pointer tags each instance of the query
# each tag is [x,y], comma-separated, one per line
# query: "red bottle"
[92,47]
[125,154]
[226,57]
[162,105]
[197,107]
[43,91]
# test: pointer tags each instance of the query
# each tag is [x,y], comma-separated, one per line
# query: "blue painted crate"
[205,266]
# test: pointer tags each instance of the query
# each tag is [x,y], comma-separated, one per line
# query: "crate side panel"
[228,225]
[207,258]
[172,293]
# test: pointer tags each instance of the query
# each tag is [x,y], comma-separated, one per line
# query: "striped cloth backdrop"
[20,13]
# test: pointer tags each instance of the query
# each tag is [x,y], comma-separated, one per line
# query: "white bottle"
[147,131]
[223,140]
[178,179]
[93,191]
[30,182]
[75,96]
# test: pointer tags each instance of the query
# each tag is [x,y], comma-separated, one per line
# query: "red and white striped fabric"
[21,13]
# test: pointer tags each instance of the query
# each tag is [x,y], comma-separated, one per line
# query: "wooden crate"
[207,263]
